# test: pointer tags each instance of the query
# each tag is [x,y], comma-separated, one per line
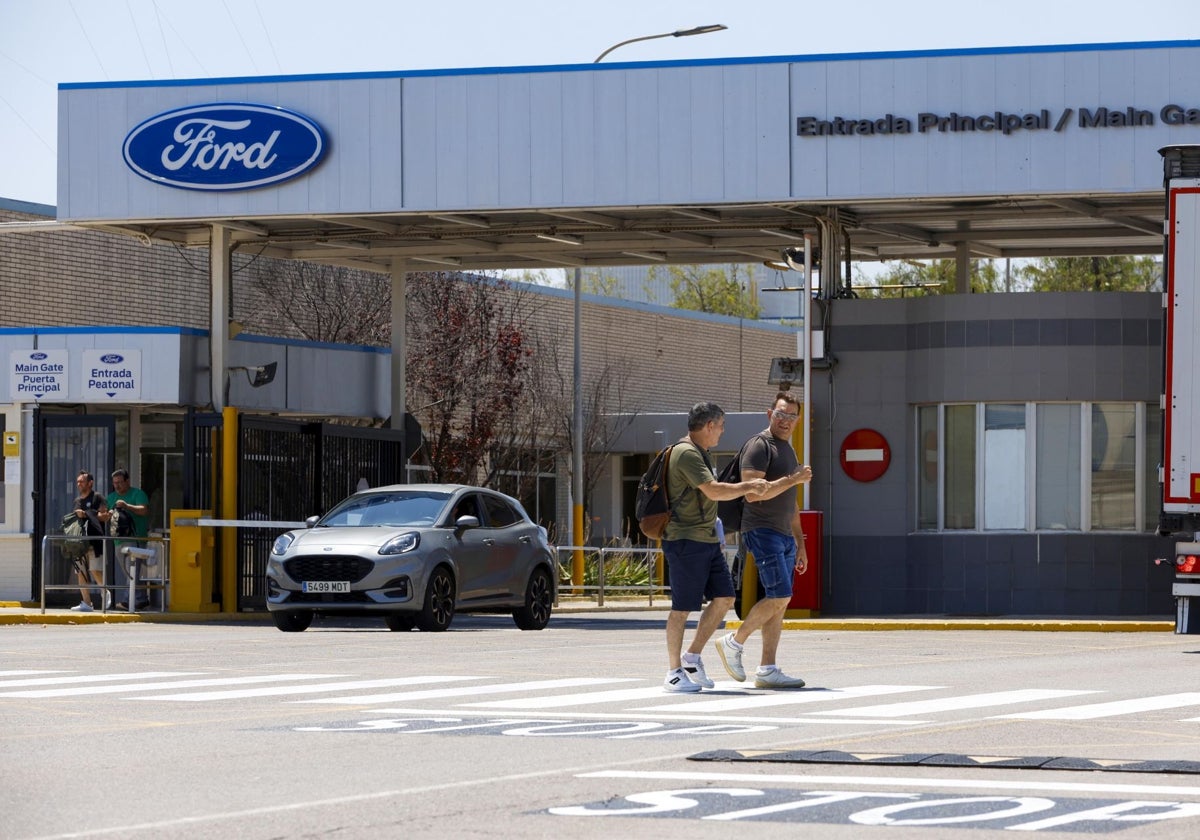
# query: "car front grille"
[328,598]
[328,567]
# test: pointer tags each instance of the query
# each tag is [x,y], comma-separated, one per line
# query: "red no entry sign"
[865,455]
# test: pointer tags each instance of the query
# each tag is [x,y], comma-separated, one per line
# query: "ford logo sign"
[112,358]
[224,146]
[38,357]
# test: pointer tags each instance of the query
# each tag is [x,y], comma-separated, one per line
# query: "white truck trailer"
[1180,469]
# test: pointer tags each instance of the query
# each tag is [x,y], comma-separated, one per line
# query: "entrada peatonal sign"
[997,121]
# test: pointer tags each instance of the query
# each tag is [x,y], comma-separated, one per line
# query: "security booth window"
[1114,462]
[1056,467]
[980,470]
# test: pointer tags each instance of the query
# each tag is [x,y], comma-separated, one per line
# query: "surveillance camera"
[794,257]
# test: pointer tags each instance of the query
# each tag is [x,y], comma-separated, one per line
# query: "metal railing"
[135,567]
[613,569]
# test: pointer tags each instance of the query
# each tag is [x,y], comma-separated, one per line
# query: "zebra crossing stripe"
[275,691]
[76,691]
[950,704]
[26,673]
[767,698]
[89,678]
[440,693]
[1112,709]
[558,701]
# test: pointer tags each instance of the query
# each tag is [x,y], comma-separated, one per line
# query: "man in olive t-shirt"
[696,563]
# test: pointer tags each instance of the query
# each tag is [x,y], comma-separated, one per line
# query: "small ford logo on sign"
[112,358]
[224,146]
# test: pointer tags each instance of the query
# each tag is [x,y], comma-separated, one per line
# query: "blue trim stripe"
[102,331]
[639,65]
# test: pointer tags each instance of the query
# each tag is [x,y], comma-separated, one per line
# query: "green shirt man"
[132,500]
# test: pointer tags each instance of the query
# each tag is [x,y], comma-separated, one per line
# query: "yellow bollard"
[192,564]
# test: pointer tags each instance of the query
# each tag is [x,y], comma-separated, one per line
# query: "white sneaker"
[776,679]
[731,657]
[82,606]
[695,672]
[678,681]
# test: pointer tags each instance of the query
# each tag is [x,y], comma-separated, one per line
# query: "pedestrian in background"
[128,501]
[89,507]
[696,561]
[773,533]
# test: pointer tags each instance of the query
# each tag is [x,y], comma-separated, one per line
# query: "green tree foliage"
[469,352]
[907,278]
[717,290]
[1093,274]
[1049,274]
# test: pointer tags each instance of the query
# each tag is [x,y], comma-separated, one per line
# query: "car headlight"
[282,543]
[401,544]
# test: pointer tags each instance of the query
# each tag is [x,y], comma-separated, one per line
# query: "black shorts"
[698,573]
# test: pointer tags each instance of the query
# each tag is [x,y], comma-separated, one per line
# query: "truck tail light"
[1187,564]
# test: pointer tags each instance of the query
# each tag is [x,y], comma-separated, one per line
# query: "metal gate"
[290,470]
[65,444]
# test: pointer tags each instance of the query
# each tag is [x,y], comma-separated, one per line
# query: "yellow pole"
[229,462]
[577,554]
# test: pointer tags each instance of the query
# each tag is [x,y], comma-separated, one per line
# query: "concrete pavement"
[14,612]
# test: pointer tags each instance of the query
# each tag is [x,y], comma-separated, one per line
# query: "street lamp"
[577,419]
[678,33]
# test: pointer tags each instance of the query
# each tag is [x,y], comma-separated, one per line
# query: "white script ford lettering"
[198,139]
[224,146]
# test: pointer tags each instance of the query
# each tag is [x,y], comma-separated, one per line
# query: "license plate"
[326,586]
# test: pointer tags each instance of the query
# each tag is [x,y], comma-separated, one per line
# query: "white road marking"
[26,673]
[121,689]
[1113,709]
[93,678]
[950,704]
[974,782]
[439,693]
[278,690]
[767,698]
[557,701]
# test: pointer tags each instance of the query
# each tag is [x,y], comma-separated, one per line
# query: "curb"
[1115,625]
[13,613]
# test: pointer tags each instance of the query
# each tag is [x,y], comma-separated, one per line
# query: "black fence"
[288,471]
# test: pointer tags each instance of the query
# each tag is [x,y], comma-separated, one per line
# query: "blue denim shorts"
[774,558]
[698,573]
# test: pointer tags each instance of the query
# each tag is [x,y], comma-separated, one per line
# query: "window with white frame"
[1021,466]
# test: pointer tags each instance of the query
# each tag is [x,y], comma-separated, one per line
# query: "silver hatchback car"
[414,554]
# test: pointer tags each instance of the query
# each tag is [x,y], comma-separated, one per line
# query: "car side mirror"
[311,521]
[466,522]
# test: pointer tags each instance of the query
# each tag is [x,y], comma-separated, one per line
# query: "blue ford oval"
[224,146]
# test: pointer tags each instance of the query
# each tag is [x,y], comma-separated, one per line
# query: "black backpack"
[730,510]
[652,508]
[120,524]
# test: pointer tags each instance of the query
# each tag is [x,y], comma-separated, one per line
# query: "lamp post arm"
[678,33]
[631,41]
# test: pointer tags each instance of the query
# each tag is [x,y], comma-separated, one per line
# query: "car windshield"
[402,509]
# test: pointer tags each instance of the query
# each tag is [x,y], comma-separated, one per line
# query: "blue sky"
[46,42]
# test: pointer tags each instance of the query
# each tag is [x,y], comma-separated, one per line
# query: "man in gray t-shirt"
[772,532]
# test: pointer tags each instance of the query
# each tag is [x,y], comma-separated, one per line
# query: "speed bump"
[1106,765]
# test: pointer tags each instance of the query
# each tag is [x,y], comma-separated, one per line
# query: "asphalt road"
[237,730]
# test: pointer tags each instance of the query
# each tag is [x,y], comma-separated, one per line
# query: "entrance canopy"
[1046,151]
